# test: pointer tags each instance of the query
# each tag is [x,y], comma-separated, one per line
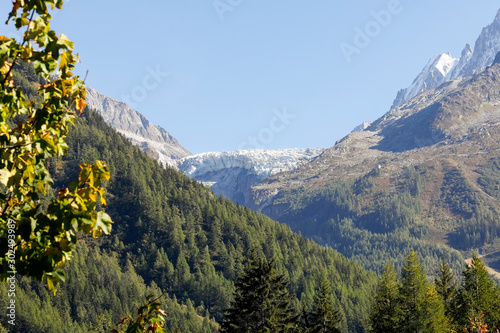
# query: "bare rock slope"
[152,139]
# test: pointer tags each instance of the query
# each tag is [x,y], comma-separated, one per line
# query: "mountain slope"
[421,176]
[178,235]
[152,139]
[233,173]
[444,67]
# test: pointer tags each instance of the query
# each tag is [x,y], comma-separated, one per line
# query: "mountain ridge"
[486,47]
[152,139]
[423,173]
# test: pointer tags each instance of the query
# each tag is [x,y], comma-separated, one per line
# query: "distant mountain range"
[228,173]
[444,67]
[424,175]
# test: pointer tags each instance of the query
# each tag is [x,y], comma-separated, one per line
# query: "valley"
[108,223]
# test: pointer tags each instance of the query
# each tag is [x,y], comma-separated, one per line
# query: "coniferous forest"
[172,234]
[178,258]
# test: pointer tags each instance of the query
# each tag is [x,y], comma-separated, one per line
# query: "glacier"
[233,173]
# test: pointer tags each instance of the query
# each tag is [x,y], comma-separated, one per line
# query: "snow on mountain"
[444,67]
[433,74]
[152,139]
[464,60]
[233,173]
[229,173]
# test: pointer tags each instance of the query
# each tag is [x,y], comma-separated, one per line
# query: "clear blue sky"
[231,71]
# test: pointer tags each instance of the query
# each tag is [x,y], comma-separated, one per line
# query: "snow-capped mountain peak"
[444,67]
[433,74]
[444,63]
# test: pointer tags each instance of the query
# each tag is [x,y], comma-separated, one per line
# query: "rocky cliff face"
[444,67]
[433,74]
[233,173]
[485,49]
[154,140]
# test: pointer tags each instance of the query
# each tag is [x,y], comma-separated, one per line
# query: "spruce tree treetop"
[324,318]
[446,285]
[478,295]
[386,315]
[261,301]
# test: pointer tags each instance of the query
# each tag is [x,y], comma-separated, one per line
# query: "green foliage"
[477,295]
[97,293]
[413,305]
[261,301]
[324,318]
[177,233]
[36,241]
[490,177]
[478,219]
[414,296]
[386,314]
[409,304]
[446,285]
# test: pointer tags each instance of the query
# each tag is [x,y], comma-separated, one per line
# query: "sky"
[224,75]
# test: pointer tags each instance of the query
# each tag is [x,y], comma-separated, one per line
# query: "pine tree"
[261,301]
[446,286]
[324,318]
[413,295]
[478,294]
[386,313]
[437,321]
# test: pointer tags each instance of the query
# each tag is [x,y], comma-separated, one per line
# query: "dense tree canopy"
[412,304]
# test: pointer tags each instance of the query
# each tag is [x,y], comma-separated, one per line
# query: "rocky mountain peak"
[152,139]
[467,50]
[471,61]
[433,74]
